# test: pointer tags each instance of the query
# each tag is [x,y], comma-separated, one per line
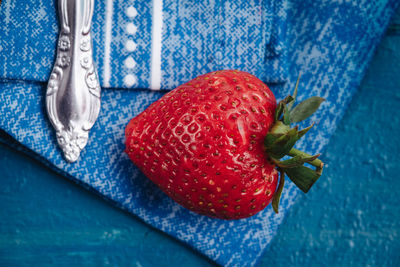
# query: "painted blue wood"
[350,217]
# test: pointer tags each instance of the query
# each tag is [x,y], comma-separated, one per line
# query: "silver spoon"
[73,90]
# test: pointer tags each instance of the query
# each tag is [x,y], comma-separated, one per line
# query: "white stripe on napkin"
[155,82]
[107,45]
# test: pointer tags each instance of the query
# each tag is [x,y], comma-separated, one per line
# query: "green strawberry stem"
[281,138]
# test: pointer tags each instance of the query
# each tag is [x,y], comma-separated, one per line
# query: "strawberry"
[215,144]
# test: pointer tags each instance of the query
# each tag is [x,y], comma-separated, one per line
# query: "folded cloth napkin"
[193,37]
[331,43]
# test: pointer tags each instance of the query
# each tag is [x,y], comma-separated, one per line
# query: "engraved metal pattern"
[73,90]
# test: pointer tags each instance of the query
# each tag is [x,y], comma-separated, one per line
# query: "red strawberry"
[213,145]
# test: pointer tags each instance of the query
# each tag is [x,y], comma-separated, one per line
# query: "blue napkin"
[194,38]
[331,43]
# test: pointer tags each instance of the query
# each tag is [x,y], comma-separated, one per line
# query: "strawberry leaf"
[294,93]
[305,130]
[278,111]
[277,196]
[280,146]
[286,115]
[270,139]
[281,106]
[302,176]
[295,161]
[305,109]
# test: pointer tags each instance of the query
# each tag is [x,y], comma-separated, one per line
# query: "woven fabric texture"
[196,37]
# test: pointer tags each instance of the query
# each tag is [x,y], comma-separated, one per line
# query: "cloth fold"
[331,43]
[196,38]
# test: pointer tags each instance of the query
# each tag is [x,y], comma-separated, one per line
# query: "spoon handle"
[73,90]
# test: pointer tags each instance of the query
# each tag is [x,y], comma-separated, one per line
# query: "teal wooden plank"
[46,219]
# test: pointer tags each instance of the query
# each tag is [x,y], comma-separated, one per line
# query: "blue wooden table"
[350,217]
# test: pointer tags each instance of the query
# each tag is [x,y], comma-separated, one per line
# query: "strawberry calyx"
[280,140]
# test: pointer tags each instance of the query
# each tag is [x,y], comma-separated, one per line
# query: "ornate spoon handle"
[73,91]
